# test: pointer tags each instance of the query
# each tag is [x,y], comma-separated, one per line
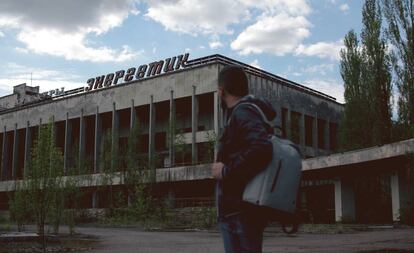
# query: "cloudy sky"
[62,43]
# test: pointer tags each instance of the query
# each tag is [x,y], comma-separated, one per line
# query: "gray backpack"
[278,184]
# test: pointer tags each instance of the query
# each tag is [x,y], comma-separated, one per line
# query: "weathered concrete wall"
[360,156]
[281,95]
[204,78]
[9,101]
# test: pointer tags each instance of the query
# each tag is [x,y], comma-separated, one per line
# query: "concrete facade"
[186,100]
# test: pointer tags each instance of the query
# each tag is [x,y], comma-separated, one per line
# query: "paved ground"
[133,240]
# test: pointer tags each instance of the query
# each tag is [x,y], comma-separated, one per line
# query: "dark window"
[333,128]
[160,141]
[308,130]
[143,143]
[295,127]
[321,133]
[283,121]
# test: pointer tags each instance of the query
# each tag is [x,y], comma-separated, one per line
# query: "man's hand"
[216,170]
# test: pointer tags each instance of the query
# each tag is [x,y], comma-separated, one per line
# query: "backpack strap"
[272,123]
[264,118]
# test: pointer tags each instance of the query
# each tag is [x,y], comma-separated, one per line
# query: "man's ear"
[220,91]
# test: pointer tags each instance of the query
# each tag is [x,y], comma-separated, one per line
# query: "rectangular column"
[133,115]
[40,127]
[95,199]
[315,134]
[27,145]
[278,120]
[68,144]
[98,135]
[172,126]
[82,140]
[4,157]
[302,131]
[327,137]
[288,123]
[114,146]
[344,200]
[54,135]
[194,125]
[151,140]
[395,196]
[15,150]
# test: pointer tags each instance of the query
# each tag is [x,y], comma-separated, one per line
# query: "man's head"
[232,84]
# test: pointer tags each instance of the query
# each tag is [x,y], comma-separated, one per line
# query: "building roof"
[191,64]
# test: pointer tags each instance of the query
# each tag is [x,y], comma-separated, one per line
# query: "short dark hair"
[234,80]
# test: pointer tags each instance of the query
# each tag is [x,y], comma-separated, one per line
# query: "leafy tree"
[20,208]
[399,15]
[376,74]
[107,160]
[209,145]
[365,70]
[355,110]
[77,176]
[136,174]
[44,177]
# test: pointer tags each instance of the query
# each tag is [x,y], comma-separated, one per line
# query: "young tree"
[365,69]
[44,177]
[376,74]
[106,165]
[136,176]
[355,112]
[399,15]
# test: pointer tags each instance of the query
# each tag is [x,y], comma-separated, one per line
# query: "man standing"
[244,150]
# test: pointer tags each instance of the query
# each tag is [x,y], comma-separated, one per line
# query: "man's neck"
[232,101]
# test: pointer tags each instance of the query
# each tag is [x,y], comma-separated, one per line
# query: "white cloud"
[196,16]
[215,42]
[320,69]
[72,47]
[292,7]
[329,86]
[21,50]
[215,16]
[1,34]
[45,78]
[344,7]
[277,35]
[61,28]
[321,49]
[255,64]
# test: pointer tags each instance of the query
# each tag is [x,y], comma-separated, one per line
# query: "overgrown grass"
[163,219]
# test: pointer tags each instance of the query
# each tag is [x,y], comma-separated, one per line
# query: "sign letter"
[129,75]
[98,82]
[118,74]
[141,71]
[182,61]
[108,79]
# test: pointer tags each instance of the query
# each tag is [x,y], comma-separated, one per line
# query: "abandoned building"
[181,93]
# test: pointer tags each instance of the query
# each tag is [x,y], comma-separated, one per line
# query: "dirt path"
[133,240]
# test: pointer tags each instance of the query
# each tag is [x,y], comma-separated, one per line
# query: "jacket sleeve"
[256,155]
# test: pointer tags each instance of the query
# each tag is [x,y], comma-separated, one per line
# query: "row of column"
[345,197]
[5,160]
[302,130]
[98,135]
